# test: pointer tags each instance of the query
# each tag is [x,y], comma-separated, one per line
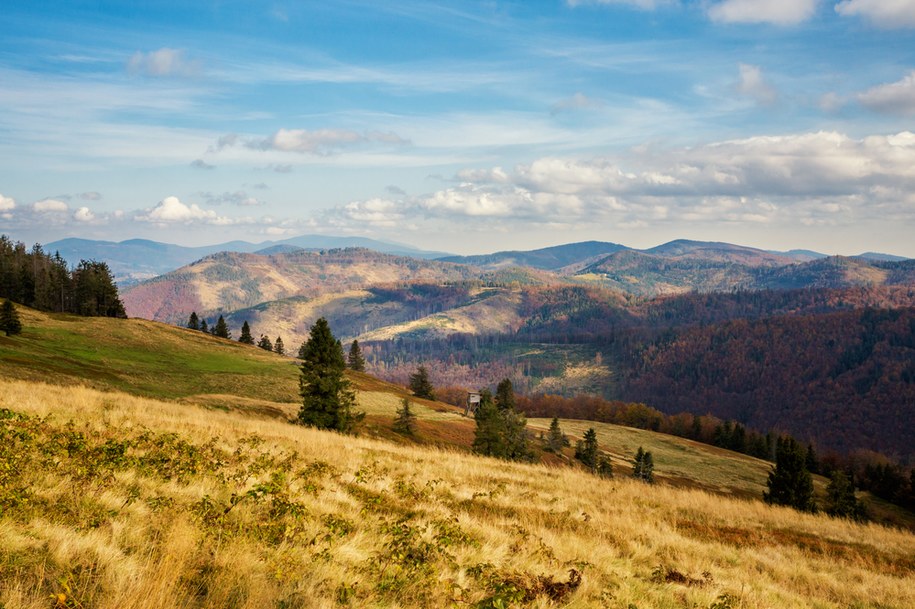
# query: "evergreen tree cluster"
[555,440]
[405,422]
[501,431]
[790,483]
[643,467]
[38,280]
[221,330]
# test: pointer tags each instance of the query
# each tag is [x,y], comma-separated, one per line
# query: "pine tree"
[420,384]
[278,346]
[840,497]
[790,483]
[203,326]
[327,397]
[643,468]
[405,423]
[514,424]
[9,319]
[193,323]
[221,330]
[246,337]
[555,439]
[586,449]
[488,437]
[356,361]
[264,343]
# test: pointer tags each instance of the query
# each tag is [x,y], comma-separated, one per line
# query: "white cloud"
[90,196]
[239,197]
[753,84]
[883,13]
[7,203]
[321,141]
[172,210]
[778,12]
[893,98]
[50,206]
[163,62]
[822,178]
[83,214]
[376,212]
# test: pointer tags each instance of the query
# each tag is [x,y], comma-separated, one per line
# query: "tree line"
[39,280]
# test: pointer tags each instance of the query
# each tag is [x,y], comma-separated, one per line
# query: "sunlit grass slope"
[112,500]
[142,357]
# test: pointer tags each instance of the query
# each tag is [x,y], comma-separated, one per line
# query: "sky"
[466,126]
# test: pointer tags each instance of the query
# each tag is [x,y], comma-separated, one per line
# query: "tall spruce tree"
[405,423]
[193,322]
[488,437]
[265,343]
[514,424]
[555,439]
[203,326]
[9,319]
[221,330]
[355,360]
[420,384]
[790,483]
[278,346]
[586,449]
[328,400]
[246,337]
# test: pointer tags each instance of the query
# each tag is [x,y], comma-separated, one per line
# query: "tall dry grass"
[129,502]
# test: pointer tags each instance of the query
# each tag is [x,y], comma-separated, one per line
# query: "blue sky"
[462,126]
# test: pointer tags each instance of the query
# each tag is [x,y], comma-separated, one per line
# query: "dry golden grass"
[220,509]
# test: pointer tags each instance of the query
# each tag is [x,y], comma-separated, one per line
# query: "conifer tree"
[790,483]
[203,326]
[356,361]
[420,384]
[193,323]
[278,346]
[840,497]
[488,437]
[264,343]
[643,467]
[221,330]
[9,319]
[514,424]
[246,337]
[405,423]
[328,400]
[586,449]
[555,439]
[811,461]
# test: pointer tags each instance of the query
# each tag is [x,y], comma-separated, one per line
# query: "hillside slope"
[147,504]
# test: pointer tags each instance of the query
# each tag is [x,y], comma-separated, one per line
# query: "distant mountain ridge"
[134,260]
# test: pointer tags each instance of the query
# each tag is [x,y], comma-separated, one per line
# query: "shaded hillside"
[714,251]
[230,281]
[845,380]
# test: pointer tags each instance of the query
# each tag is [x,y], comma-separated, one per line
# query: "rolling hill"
[145,496]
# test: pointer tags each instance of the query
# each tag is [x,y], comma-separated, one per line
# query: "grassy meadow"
[113,500]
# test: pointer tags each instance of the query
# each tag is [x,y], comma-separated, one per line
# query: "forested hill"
[845,380]
[39,280]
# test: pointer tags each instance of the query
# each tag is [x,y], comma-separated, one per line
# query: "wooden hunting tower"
[473,400]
